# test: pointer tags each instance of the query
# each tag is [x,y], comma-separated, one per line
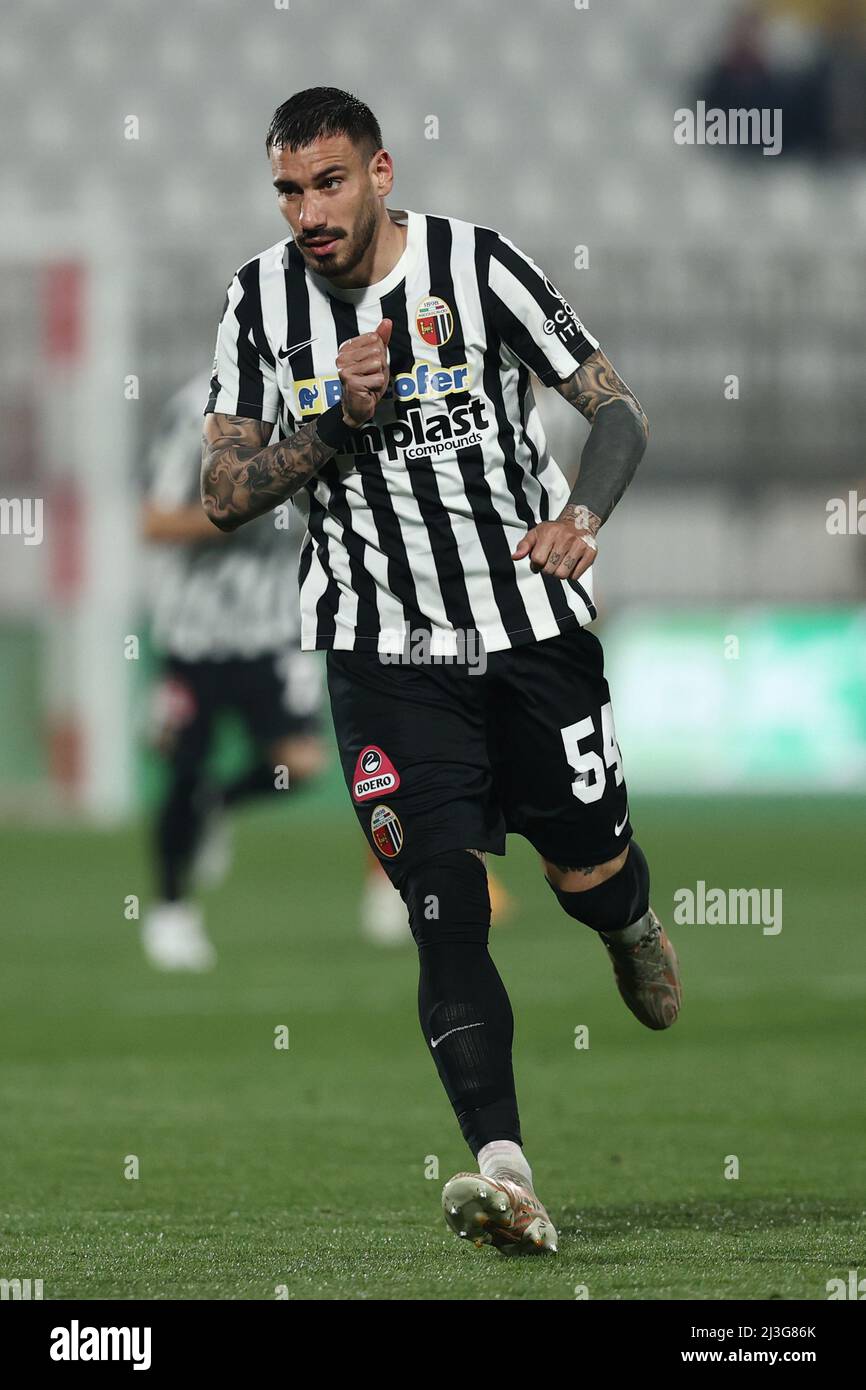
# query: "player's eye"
[333,180]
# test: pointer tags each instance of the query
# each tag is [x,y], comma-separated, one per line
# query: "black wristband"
[332,428]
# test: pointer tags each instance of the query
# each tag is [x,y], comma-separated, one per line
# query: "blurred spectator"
[846,76]
[804,57]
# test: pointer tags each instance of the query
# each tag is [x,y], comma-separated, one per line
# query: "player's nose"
[311,217]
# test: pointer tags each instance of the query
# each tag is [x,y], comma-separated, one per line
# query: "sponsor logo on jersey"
[563,321]
[287,352]
[434,320]
[419,435]
[387,831]
[375,774]
[426,381]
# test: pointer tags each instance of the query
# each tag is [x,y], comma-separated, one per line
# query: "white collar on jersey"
[365,294]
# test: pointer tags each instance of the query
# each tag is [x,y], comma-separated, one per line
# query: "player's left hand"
[564,548]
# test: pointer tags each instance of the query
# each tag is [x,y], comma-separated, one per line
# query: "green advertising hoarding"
[742,699]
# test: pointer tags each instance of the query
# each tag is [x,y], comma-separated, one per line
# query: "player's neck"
[382,255]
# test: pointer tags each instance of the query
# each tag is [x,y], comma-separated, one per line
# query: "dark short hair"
[319,111]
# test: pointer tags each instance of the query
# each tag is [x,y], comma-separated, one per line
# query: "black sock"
[468,1025]
[178,828]
[462,1003]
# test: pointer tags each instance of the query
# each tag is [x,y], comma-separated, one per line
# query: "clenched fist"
[362,364]
[564,548]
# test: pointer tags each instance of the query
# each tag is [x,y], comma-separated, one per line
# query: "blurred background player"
[225,626]
[224,616]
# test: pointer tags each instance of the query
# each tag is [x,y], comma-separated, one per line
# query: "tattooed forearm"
[616,443]
[610,457]
[242,477]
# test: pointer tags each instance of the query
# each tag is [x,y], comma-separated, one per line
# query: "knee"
[570,880]
[618,900]
[447,899]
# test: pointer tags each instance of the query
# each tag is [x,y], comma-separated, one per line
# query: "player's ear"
[382,167]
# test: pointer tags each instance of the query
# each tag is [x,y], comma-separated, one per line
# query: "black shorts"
[277,696]
[436,757]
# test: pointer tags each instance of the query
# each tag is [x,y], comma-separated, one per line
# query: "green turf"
[306,1167]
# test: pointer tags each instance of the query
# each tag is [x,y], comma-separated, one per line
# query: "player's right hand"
[362,364]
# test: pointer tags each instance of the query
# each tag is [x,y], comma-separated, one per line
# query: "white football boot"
[498,1212]
[174,938]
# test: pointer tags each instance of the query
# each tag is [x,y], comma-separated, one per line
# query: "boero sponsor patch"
[374,774]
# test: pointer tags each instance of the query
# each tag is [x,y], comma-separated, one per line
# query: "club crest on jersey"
[375,774]
[387,831]
[434,320]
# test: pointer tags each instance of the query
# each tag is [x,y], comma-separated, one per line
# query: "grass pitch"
[306,1168]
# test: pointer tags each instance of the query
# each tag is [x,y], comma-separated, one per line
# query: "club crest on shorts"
[387,831]
[374,774]
[434,320]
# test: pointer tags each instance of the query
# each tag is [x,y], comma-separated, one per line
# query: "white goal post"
[68,543]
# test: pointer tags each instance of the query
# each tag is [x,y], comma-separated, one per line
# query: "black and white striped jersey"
[217,599]
[414,530]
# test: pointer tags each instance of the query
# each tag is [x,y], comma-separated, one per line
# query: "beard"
[350,250]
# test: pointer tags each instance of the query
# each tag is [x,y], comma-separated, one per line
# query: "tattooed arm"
[617,440]
[243,476]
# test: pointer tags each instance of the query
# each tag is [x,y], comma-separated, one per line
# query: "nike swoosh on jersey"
[618,829]
[283,353]
[434,1042]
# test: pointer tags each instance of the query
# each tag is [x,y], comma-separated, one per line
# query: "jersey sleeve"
[534,320]
[244,378]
